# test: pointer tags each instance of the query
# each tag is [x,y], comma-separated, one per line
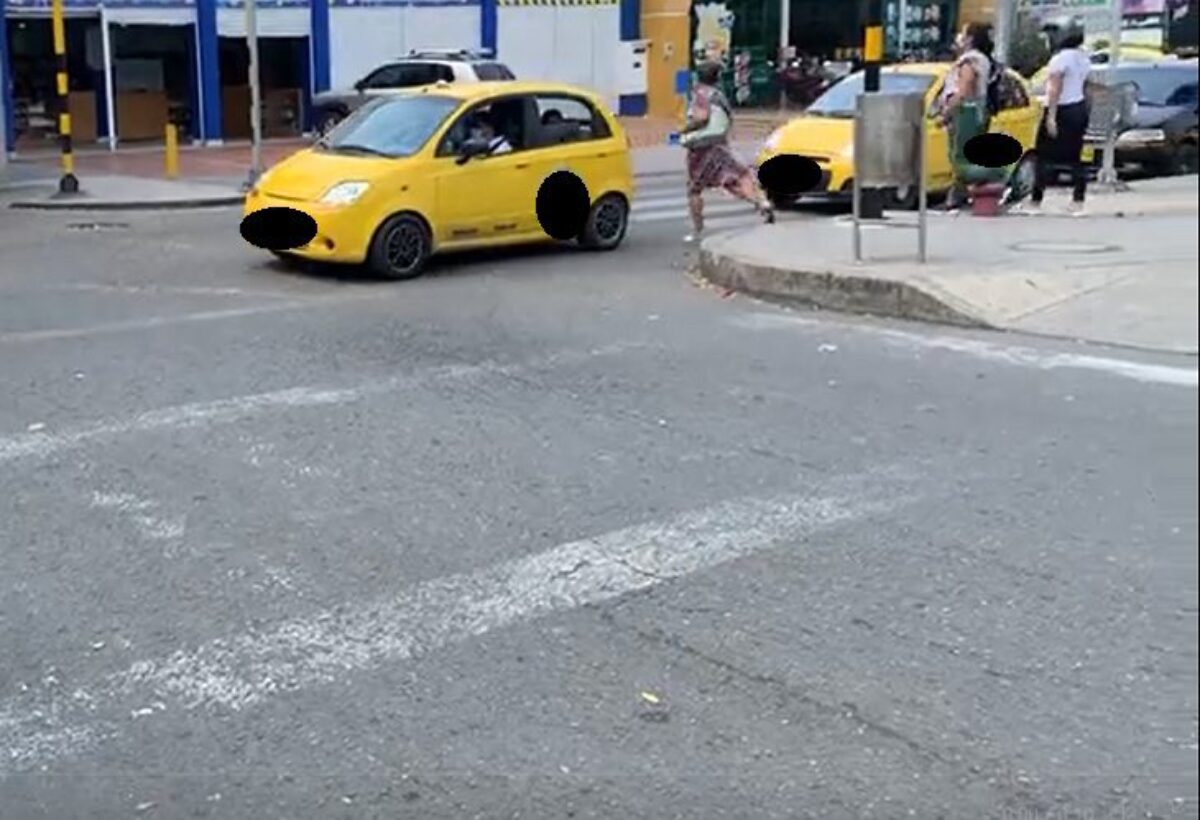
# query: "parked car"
[825,131]
[423,67]
[1165,128]
[405,177]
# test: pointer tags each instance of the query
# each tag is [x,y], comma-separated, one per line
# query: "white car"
[420,67]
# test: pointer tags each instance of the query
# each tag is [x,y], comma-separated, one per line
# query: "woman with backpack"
[965,108]
[710,163]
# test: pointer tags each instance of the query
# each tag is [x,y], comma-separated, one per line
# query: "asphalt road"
[553,534]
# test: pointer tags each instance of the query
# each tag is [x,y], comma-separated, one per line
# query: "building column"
[488,26]
[319,46]
[7,114]
[208,62]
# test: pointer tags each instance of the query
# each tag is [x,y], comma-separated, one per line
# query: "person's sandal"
[768,213]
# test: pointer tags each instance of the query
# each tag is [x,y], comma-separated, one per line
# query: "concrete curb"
[222,201]
[829,290]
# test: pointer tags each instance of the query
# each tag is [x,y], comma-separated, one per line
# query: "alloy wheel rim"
[404,247]
[610,217]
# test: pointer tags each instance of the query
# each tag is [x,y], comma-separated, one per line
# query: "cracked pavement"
[280,545]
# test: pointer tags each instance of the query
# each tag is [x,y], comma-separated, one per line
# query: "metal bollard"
[67,183]
[171,156]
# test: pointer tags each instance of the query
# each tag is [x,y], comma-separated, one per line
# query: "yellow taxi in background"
[825,131]
[408,175]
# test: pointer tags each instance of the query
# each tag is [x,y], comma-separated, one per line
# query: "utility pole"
[785,40]
[871,200]
[1005,15]
[255,94]
[1108,170]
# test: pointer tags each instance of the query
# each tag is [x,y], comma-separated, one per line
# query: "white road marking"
[224,411]
[146,323]
[138,510]
[1018,355]
[43,725]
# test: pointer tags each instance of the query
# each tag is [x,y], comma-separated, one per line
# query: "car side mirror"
[471,148]
[360,85]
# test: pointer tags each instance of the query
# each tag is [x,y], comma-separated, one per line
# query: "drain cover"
[1051,246]
[98,226]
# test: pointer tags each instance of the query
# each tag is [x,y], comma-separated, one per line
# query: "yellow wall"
[665,22]
[976,11]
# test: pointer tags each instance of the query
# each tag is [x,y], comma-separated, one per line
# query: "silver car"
[423,67]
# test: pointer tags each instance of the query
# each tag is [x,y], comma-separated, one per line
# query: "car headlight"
[1142,135]
[344,193]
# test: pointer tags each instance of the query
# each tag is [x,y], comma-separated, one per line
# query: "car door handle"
[521,166]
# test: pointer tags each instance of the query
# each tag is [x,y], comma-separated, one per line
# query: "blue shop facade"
[136,65]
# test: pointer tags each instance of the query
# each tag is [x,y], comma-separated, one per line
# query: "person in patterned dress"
[710,162]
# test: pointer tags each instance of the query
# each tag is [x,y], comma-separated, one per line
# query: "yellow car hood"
[306,175]
[817,137]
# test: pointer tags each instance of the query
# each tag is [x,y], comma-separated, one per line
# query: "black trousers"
[1064,150]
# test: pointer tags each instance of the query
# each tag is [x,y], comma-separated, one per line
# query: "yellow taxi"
[825,131]
[1129,54]
[449,167]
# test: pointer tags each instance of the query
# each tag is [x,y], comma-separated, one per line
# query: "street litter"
[650,697]
[827,348]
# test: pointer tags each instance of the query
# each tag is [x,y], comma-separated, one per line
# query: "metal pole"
[3,114]
[255,96]
[922,191]
[1108,169]
[110,99]
[871,206]
[785,37]
[902,29]
[856,195]
[1005,12]
[67,183]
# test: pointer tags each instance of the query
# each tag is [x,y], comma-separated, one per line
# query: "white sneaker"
[1026,208]
[691,238]
[1075,209]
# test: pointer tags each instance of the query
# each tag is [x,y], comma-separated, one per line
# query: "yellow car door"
[572,135]
[1019,112]
[486,197]
[939,173]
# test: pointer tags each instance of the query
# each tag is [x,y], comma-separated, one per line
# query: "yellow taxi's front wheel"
[606,223]
[400,248]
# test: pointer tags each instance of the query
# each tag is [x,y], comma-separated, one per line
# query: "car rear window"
[493,71]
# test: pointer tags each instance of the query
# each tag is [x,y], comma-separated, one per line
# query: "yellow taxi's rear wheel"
[606,223]
[401,248]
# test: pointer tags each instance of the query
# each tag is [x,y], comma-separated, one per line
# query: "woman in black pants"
[1060,138]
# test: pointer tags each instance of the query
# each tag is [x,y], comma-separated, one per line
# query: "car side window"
[503,119]
[1184,95]
[387,77]
[562,119]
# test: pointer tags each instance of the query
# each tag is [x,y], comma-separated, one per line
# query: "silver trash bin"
[889,152]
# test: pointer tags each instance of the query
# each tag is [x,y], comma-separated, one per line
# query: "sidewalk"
[1126,274]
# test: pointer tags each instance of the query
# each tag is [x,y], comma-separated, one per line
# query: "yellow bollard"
[171,157]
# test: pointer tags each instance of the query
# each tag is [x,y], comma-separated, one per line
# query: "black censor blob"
[278,229]
[562,205]
[788,175]
[992,150]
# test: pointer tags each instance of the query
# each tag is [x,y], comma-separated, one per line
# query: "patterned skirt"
[713,166]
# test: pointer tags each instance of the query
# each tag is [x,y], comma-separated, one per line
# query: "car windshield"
[840,100]
[1155,85]
[391,127]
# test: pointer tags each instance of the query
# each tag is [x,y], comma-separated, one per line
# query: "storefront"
[136,65]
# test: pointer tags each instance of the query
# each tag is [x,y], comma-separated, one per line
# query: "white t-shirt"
[1074,65]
